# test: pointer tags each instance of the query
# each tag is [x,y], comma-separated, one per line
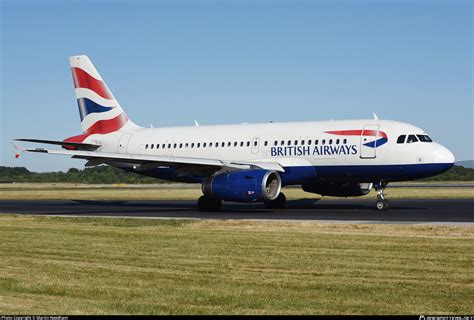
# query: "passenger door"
[368,141]
[123,143]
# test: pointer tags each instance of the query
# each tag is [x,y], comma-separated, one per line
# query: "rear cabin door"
[368,141]
[123,143]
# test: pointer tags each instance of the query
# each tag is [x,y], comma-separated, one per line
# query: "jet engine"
[243,186]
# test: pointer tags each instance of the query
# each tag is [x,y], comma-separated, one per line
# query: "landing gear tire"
[209,204]
[382,205]
[278,203]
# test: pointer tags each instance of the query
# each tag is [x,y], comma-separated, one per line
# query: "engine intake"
[348,189]
[244,186]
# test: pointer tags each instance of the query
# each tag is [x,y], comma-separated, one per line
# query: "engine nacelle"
[348,189]
[243,186]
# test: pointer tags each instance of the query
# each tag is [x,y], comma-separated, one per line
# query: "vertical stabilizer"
[100,112]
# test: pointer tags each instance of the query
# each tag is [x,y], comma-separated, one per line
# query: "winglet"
[18,150]
[375,116]
[196,123]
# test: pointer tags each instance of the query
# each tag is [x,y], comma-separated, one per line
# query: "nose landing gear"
[382,203]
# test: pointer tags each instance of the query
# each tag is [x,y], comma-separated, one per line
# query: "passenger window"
[324,141]
[330,141]
[248,143]
[163,146]
[289,142]
[199,144]
[241,143]
[229,144]
[337,141]
[345,141]
[265,143]
[316,142]
[282,142]
[180,145]
[146,146]
[223,144]
[157,146]
[412,138]
[152,146]
[255,143]
[275,143]
[401,139]
[204,145]
[296,142]
[186,145]
[302,142]
[174,146]
[309,142]
[169,145]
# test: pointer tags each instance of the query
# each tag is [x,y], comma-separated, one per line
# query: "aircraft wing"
[138,162]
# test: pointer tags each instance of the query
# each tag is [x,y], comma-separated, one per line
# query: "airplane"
[249,162]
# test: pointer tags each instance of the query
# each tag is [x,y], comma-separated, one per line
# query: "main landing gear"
[382,203]
[278,203]
[209,204]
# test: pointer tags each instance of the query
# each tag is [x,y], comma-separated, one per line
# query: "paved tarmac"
[430,211]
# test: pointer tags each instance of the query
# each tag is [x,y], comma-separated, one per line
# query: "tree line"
[99,174]
[108,174]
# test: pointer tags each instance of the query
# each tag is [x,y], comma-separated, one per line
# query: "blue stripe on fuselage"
[342,173]
[87,106]
[376,143]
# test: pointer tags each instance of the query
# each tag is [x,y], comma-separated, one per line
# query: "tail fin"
[100,112]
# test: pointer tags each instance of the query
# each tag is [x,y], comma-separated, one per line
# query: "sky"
[221,62]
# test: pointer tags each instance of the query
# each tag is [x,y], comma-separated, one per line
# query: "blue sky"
[170,62]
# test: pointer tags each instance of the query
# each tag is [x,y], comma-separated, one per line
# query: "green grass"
[140,266]
[163,192]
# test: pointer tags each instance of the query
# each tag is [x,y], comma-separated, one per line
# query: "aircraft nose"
[443,155]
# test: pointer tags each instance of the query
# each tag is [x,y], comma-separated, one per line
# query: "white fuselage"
[296,144]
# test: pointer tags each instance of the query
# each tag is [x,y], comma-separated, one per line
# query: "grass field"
[54,265]
[164,192]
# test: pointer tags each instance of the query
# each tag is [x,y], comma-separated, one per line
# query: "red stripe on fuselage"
[107,126]
[358,133]
[84,80]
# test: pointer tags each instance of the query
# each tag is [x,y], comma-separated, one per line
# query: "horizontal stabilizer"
[75,145]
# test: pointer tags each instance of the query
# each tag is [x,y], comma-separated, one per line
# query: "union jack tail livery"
[100,112]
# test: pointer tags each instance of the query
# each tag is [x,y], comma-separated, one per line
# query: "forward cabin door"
[368,141]
[123,143]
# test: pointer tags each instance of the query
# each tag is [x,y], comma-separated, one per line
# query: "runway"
[444,212]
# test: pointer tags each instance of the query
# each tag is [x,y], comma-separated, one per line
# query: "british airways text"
[315,151]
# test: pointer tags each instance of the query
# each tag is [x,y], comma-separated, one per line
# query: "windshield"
[424,138]
[412,138]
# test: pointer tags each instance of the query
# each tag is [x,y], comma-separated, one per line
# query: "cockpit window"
[412,138]
[401,139]
[424,138]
